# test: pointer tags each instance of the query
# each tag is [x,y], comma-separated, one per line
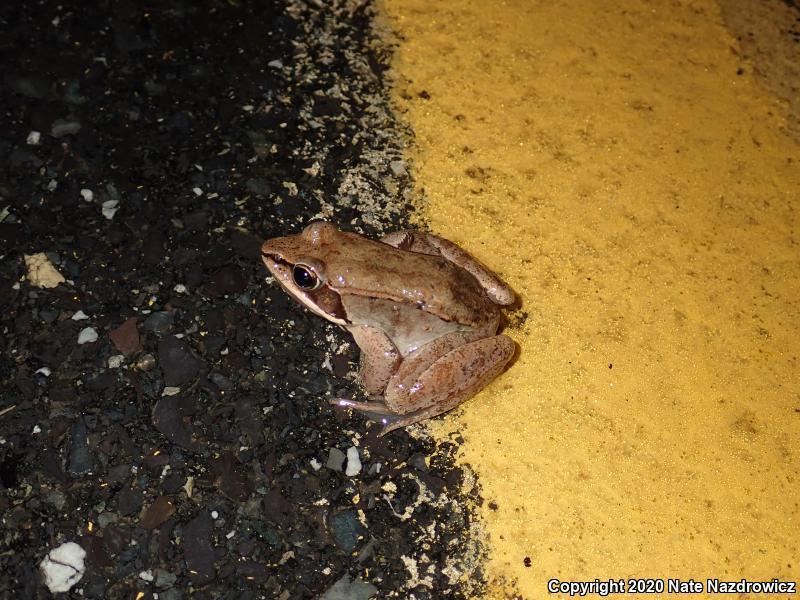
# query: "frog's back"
[357,265]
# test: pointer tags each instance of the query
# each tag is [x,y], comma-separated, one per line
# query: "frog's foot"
[374,411]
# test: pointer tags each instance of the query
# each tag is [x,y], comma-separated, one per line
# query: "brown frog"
[423,312]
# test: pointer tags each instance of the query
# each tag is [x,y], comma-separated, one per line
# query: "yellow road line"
[609,162]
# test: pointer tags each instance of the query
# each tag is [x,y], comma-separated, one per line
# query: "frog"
[423,312]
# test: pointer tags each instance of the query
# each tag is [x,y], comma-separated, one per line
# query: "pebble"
[159,321]
[397,168]
[41,272]
[346,529]
[110,208]
[350,589]
[126,337]
[80,456]
[275,64]
[116,361]
[87,336]
[63,567]
[33,139]
[146,576]
[177,361]
[87,194]
[43,371]
[335,459]
[80,316]
[353,462]
[62,127]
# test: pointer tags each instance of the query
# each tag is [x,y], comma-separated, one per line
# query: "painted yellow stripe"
[607,160]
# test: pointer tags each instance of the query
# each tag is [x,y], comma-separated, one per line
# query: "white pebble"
[146,576]
[87,194]
[44,371]
[80,316]
[275,64]
[230,534]
[171,391]
[179,289]
[116,361]
[63,567]
[34,137]
[110,208]
[87,336]
[197,191]
[214,515]
[36,429]
[315,464]
[353,462]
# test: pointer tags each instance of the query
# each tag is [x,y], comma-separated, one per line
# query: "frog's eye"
[305,278]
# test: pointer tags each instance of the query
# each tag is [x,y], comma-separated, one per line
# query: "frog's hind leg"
[449,381]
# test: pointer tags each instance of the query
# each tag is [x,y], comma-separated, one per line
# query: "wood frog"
[423,311]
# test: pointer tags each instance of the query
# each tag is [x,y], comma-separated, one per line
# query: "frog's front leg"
[379,358]
[422,389]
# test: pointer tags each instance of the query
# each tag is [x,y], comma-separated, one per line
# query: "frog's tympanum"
[423,312]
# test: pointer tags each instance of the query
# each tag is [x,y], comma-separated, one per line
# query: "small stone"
[62,127]
[41,272]
[43,371]
[350,589]
[335,459]
[80,455]
[179,289]
[80,316]
[159,321]
[145,363]
[275,64]
[87,336]
[397,168]
[33,139]
[198,551]
[346,529]
[57,499]
[315,464]
[126,337]
[146,576]
[87,194]
[164,579]
[158,512]
[105,519]
[171,390]
[177,361]
[63,567]
[110,208]
[353,462]
[116,361]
